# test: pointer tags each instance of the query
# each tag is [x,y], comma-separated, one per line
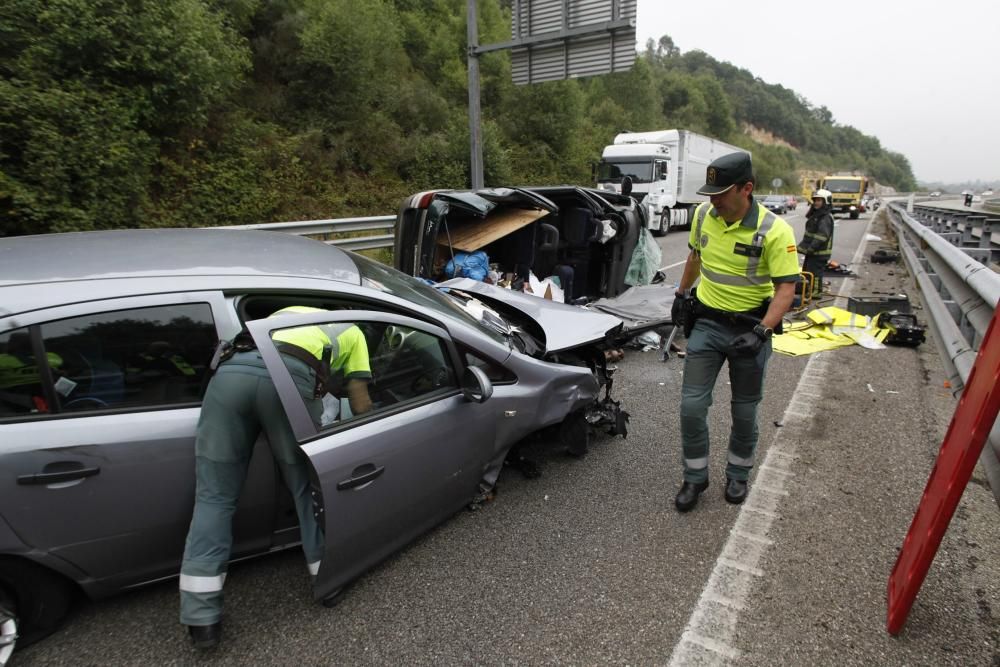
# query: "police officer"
[239,403]
[817,241]
[745,258]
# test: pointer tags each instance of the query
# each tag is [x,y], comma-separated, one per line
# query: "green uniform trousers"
[707,349]
[239,404]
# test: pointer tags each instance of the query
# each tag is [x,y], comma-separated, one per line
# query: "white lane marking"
[708,630]
[670,266]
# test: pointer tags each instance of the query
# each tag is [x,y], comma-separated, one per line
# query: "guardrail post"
[986,239]
[954,238]
[971,223]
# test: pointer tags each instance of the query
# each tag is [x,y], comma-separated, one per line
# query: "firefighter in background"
[817,241]
[240,402]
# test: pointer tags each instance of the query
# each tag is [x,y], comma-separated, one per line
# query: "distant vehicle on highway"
[793,203]
[935,194]
[776,203]
[987,193]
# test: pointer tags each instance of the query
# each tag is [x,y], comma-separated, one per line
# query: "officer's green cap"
[725,172]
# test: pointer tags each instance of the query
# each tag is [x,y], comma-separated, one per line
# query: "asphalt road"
[590,563]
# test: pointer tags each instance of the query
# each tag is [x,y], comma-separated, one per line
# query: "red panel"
[969,429]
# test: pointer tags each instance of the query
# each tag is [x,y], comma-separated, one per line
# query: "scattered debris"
[778,423]
[870,388]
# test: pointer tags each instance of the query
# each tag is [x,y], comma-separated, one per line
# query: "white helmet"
[823,194]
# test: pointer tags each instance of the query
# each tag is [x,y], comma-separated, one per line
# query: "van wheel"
[661,229]
[36,600]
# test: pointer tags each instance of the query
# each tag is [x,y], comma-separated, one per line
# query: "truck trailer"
[666,168]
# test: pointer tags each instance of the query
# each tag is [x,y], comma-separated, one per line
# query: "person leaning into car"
[745,258]
[240,402]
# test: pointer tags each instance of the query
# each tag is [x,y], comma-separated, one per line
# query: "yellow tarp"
[827,329]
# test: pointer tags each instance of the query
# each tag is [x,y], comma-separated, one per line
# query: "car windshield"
[842,185]
[612,172]
[382,278]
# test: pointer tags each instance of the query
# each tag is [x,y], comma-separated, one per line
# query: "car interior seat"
[580,228]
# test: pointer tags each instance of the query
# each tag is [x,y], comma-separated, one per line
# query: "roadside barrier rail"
[337,228]
[951,264]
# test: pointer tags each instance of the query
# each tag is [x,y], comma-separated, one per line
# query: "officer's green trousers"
[707,349]
[239,404]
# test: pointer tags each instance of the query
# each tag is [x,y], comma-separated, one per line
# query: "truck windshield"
[612,172]
[842,185]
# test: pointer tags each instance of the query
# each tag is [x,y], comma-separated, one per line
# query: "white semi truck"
[666,168]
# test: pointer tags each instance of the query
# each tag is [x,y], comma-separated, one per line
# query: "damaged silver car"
[105,342]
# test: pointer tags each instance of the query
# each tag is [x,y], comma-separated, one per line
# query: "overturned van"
[581,236]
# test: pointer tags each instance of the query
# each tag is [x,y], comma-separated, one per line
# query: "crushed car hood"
[567,327]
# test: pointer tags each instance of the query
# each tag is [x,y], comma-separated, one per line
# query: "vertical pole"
[475,116]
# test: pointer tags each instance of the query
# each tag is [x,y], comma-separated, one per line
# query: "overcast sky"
[923,77]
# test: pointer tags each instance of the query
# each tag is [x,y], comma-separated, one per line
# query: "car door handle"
[361,476]
[56,477]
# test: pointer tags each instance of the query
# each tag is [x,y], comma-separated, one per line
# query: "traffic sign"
[776,183]
[970,427]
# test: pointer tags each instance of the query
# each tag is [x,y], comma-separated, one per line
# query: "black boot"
[736,490]
[687,497]
[205,637]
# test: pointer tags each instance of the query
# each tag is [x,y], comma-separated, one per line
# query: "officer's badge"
[710,176]
[704,240]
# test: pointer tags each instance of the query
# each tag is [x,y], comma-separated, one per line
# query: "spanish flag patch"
[790,248]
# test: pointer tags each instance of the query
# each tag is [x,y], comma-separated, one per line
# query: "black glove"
[677,311]
[749,343]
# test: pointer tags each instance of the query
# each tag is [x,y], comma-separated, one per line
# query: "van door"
[389,474]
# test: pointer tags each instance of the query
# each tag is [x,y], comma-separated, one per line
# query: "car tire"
[661,229]
[37,599]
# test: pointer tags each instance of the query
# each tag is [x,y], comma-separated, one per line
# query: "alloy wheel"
[8,630]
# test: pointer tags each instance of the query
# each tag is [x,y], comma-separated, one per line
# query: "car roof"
[145,253]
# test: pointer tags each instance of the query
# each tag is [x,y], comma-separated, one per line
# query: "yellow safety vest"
[349,349]
[738,262]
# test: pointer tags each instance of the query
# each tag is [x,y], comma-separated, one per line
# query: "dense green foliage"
[139,113]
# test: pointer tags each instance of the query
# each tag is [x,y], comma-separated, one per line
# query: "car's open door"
[390,474]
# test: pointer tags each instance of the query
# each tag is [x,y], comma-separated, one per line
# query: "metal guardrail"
[960,292]
[321,229]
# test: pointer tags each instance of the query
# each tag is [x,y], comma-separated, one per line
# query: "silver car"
[105,340]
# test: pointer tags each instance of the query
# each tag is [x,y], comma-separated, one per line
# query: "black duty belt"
[321,367]
[742,319]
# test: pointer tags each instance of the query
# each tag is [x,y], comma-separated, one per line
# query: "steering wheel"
[85,400]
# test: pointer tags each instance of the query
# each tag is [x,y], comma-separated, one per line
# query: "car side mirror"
[476,387]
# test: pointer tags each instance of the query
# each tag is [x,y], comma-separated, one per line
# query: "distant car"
[105,343]
[793,203]
[935,194]
[776,203]
[987,193]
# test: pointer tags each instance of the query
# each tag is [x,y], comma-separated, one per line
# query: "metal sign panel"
[970,427]
[554,40]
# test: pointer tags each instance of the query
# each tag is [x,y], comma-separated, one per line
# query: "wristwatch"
[762,331]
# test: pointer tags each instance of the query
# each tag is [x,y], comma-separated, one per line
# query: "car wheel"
[8,629]
[661,229]
[33,599]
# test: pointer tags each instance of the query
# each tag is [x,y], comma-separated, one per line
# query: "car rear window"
[143,357]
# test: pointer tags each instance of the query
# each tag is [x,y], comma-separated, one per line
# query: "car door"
[97,445]
[387,475]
